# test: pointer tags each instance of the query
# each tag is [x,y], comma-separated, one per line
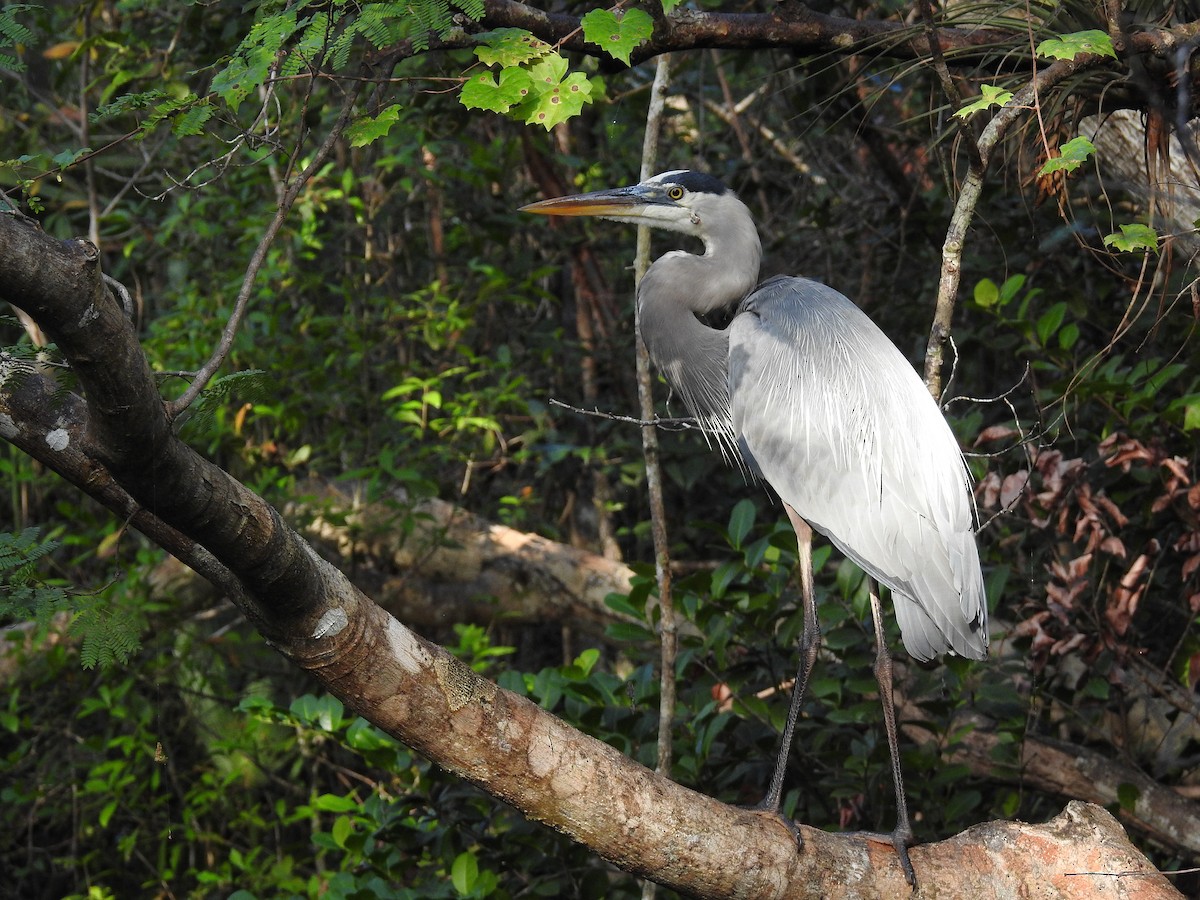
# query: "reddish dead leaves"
[1104,558]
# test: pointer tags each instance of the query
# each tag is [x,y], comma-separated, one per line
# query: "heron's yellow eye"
[675,192]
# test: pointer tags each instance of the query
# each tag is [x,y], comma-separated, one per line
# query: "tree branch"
[241,304]
[793,26]
[968,197]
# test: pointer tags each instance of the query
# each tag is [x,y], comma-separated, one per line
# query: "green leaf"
[548,71]
[620,603]
[987,294]
[343,827]
[1191,414]
[559,102]
[369,129]
[1071,156]
[192,120]
[723,576]
[67,158]
[13,33]
[127,102]
[1008,290]
[669,5]
[628,632]
[510,47]
[464,873]
[1068,335]
[741,520]
[484,92]
[106,813]
[1133,236]
[362,735]
[587,660]
[334,804]
[324,712]
[1050,321]
[617,34]
[1127,796]
[990,95]
[1068,46]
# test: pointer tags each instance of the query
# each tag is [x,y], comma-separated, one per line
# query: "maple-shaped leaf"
[990,95]
[1068,46]
[1133,236]
[509,47]
[619,35]
[549,70]
[483,91]
[559,102]
[369,129]
[1071,155]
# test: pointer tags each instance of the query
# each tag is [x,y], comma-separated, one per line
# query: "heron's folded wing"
[840,425]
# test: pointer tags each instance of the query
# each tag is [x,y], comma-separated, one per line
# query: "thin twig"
[294,187]
[658,521]
[667,423]
[964,209]
[122,293]
[949,88]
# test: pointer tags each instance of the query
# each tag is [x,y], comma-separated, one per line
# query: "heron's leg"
[810,641]
[902,837]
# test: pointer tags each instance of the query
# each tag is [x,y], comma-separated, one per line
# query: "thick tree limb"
[425,697]
[793,26]
[1067,770]
[456,566]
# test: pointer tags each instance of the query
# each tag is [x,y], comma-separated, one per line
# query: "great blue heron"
[812,397]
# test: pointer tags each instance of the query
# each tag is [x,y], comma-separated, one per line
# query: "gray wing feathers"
[839,423]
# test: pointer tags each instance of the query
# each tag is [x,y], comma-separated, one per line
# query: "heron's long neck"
[693,356]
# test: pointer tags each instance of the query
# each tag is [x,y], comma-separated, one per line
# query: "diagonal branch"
[964,208]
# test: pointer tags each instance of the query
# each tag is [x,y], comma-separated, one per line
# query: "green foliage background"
[406,336]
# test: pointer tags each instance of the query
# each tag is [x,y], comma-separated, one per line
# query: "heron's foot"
[772,810]
[901,839]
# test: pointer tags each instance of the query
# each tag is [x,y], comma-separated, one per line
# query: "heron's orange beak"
[623,201]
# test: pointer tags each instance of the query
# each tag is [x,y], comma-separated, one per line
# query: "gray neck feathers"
[693,357]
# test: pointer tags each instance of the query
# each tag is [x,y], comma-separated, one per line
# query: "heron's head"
[686,201]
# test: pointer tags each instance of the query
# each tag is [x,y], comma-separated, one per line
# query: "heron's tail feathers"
[944,608]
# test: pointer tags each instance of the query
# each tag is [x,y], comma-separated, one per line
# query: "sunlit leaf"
[560,102]
[510,47]
[369,129]
[1191,415]
[987,294]
[483,91]
[1071,156]
[1068,46]
[990,95]
[464,873]
[619,34]
[1133,236]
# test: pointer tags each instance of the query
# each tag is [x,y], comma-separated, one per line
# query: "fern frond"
[108,639]
[252,386]
[13,34]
